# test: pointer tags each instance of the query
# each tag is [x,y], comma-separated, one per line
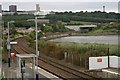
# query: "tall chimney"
[103,8]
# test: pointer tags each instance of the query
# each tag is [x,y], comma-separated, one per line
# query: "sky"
[59,0]
[63,5]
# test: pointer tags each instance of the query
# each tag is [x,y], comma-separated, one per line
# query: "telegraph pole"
[36,48]
[8,46]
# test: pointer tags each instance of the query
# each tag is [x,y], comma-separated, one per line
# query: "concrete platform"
[29,72]
[108,73]
[43,72]
[114,71]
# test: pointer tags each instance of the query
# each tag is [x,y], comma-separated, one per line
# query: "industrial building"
[0,8]
[119,7]
[13,8]
[37,8]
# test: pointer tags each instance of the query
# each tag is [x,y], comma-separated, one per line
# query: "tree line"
[57,19]
[97,16]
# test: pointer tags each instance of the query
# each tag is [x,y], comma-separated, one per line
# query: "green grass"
[82,48]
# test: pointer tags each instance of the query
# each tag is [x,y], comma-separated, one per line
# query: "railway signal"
[12,56]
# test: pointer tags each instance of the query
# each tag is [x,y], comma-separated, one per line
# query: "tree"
[48,29]
[12,29]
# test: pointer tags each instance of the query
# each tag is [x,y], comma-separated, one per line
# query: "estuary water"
[107,39]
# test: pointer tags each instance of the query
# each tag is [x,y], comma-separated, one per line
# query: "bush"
[4,60]
[99,31]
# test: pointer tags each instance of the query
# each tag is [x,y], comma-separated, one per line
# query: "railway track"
[52,66]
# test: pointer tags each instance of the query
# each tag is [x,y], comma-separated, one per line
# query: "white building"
[80,27]
[8,13]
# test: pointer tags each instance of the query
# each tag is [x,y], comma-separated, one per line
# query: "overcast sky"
[59,0]
[63,5]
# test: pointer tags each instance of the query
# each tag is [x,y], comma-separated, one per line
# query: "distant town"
[13,10]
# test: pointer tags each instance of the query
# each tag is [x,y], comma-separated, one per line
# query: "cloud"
[59,0]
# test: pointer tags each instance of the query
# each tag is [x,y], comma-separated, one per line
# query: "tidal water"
[109,39]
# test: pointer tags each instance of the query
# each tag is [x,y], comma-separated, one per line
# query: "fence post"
[108,58]
[80,60]
[65,56]
[72,59]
